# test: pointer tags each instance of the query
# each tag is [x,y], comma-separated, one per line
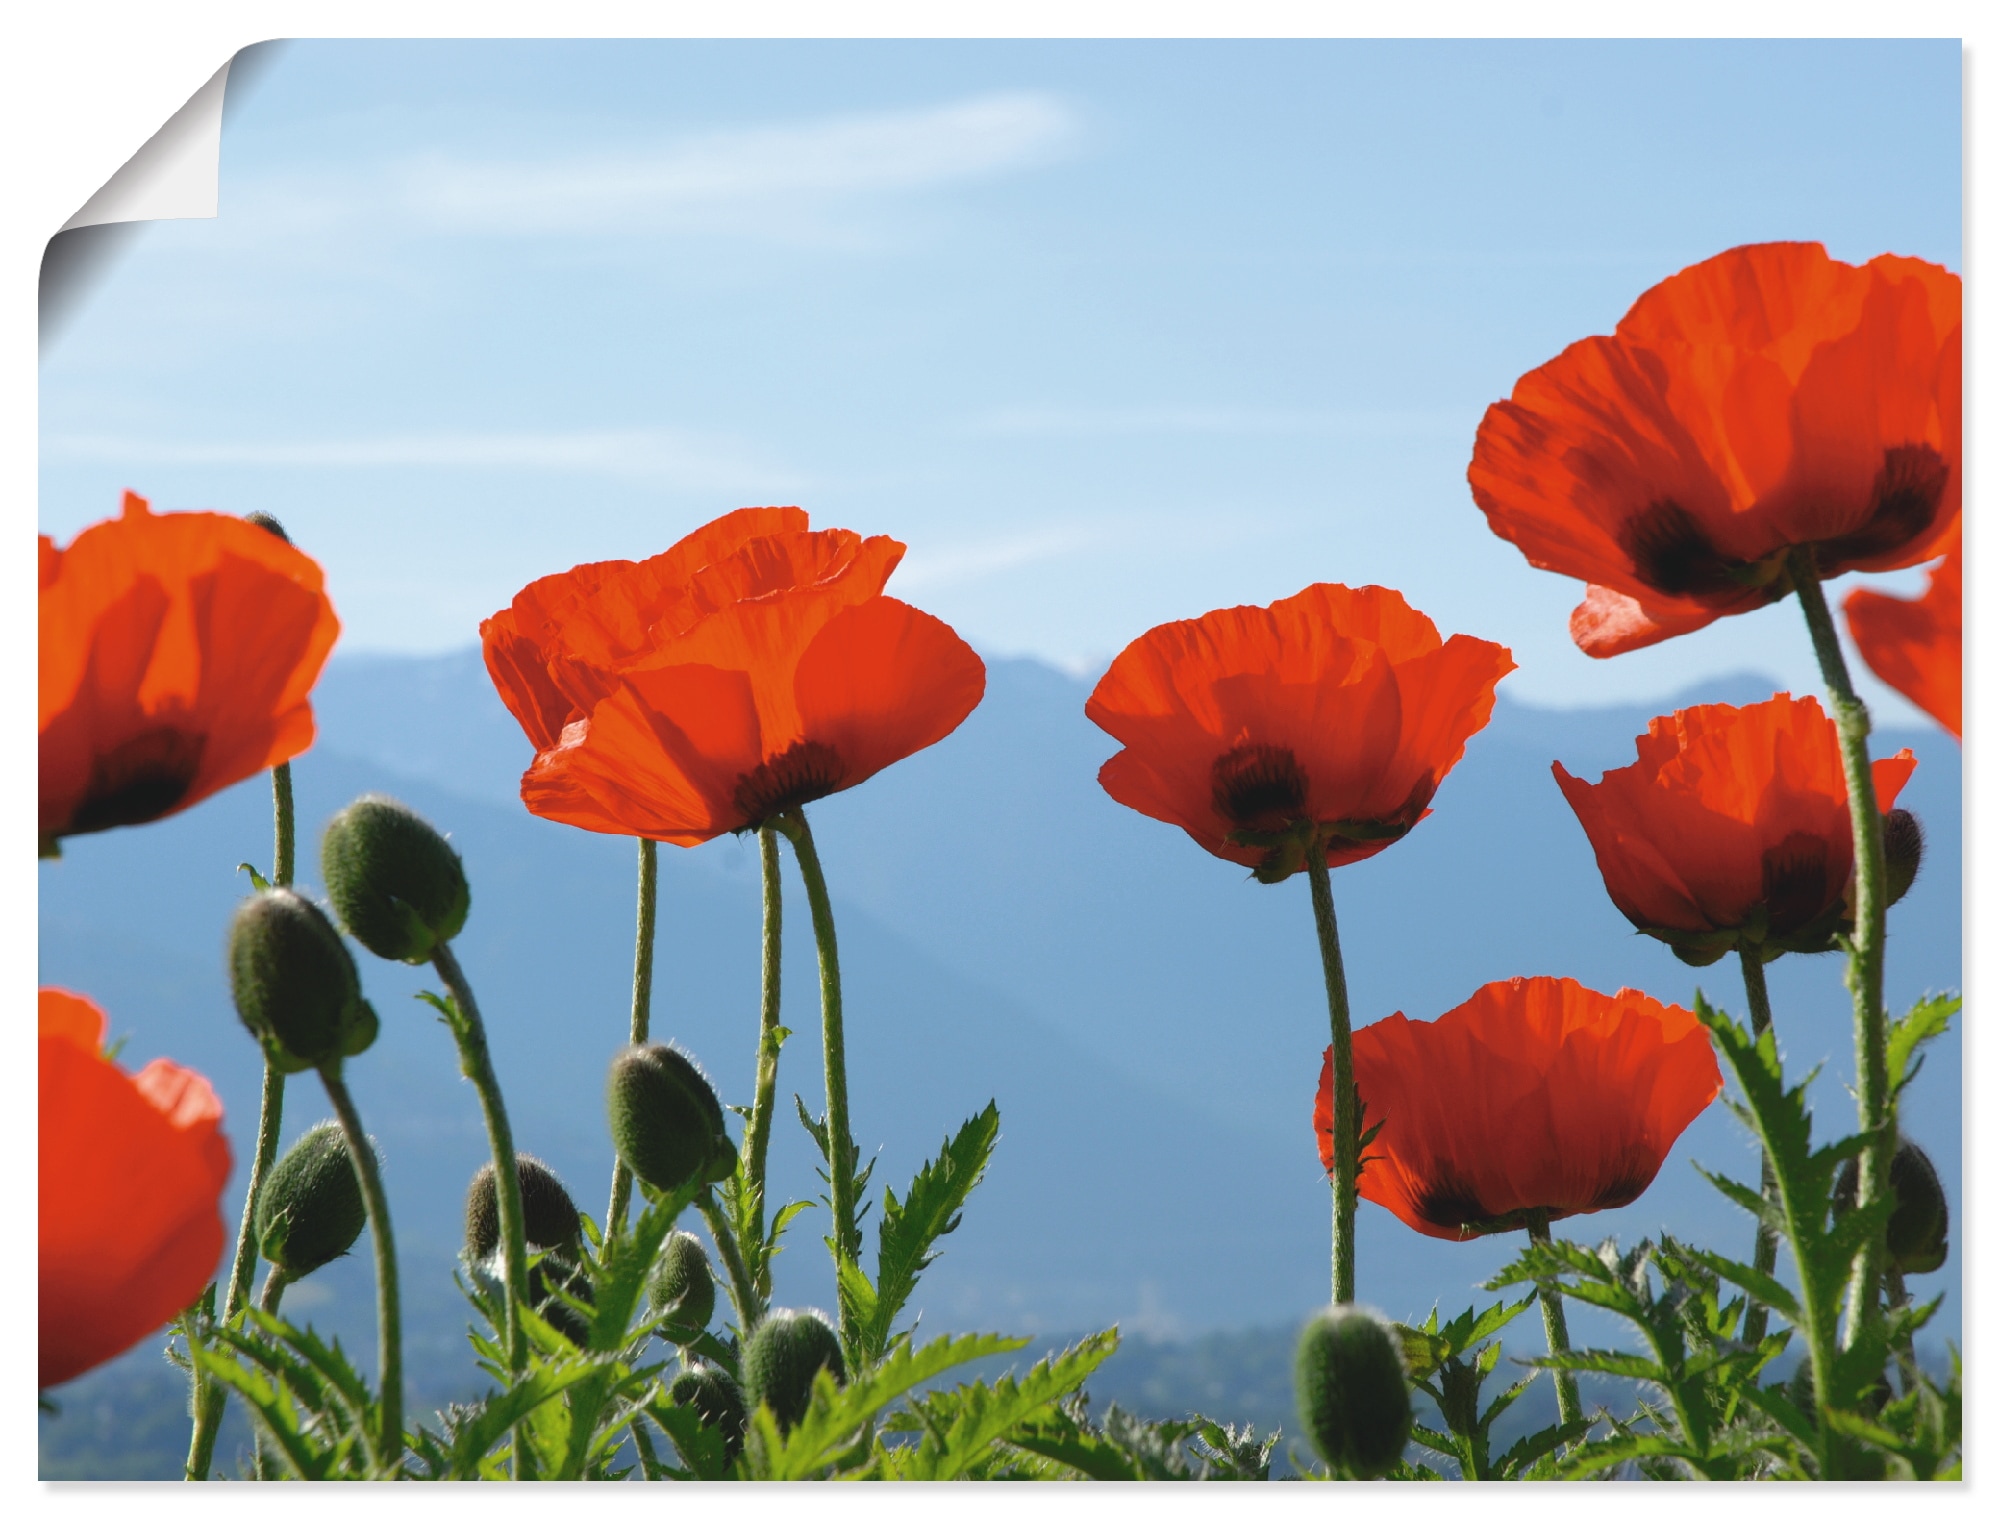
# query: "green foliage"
[1450,1363]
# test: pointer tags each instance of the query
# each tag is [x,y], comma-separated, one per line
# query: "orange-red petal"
[1917,646]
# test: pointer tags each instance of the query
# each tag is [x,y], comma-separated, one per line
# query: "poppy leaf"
[1530,1448]
[814,1127]
[1916,1028]
[1747,1198]
[256,876]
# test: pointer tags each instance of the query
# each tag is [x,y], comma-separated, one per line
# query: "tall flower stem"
[749,1306]
[208,1397]
[476,1062]
[1569,1407]
[840,1150]
[388,1295]
[642,1010]
[1766,1256]
[757,1135]
[1346,1130]
[1865,950]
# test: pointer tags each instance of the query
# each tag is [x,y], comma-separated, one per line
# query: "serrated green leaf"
[703,1451]
[969,1419]
[1916,1028]
[1764,1288]
[1530,1448]
[257,878]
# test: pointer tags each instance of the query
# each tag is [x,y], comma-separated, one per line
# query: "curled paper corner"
[175,175]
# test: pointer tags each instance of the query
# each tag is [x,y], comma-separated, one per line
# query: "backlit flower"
[753,667]
[1325,720]
[1535,1098]
[1766,398]
[177,653]
[1732,825]
[1916,646]
[132,1170]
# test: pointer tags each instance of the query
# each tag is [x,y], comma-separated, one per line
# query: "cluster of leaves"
[1450,1363]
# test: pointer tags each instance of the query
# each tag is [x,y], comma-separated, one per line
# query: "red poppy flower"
[1323,720]
[1916,646]
[753,667]
[177,653]
[132,1170]
[1536,1096]
[1766,398]
[1732,825]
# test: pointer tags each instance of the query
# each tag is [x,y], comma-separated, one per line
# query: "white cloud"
[659,456]
[756,177]
[1221,421]
[930,568]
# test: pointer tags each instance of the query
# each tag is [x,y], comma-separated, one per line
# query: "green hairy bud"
[1920,1224]
[548,1217]
[666,1121]
[682,1286]
[294,983]
[310,1210]
[785,1353]
[397,885]
[717,1399]
[1354,1398]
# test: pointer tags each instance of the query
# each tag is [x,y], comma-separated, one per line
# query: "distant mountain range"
[1148,1018]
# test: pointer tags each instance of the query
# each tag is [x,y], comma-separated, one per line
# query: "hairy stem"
[1569,1407]
[1346,1168]
[749,1306]
[388,1295]
[1765,1258]
[476,1062]
[1865,950]
[642,1010]
[757,1135]
[274,1291]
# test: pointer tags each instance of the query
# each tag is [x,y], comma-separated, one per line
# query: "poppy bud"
[682,1286]
[556,1270]
[310,1210]
[1353,1396]
[398,886]
[666,1122]
[294,983]
[1920,1224]
[783,1356]
[1902,849]
[269,524]
[717,1399]
[548,1217]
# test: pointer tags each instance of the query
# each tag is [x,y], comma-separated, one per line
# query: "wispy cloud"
[1226,421]
[950,565]
[743,179]
[659,456]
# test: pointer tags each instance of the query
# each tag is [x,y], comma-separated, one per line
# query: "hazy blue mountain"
[1149,1019]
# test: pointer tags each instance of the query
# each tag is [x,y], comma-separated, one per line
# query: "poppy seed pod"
[783,1356]
[1353,1396]
[682,1286]
[666,1122]
[1902,850]
[269,524]
[1920,1224]
[310,1210]
[294,983]
[548,1216]
[717,1399]
[397,885]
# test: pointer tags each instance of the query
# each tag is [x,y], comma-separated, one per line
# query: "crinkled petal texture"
[1918,646]
[751,668]
[1337,706]
[132,1170]
[1731,817]
[1537,1095]
[177,654]
[1767,398]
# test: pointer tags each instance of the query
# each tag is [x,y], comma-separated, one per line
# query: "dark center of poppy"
[1625,1180]
[141,779]
[1901,508]
[1448,1201]
[1671,552]
[804,773]
[1798,884]
[1258,786]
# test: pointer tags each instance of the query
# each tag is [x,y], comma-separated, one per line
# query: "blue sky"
[1108,333]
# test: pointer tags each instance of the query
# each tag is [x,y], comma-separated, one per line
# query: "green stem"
[209,1398]
[1569,1407]
[1765,1259]
[642,1010]
[841,1153]
[757,1135]
[1346,1131]
[749,1307]
[477,1063]
[388,1297]
[1865,950]
[274,1291]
